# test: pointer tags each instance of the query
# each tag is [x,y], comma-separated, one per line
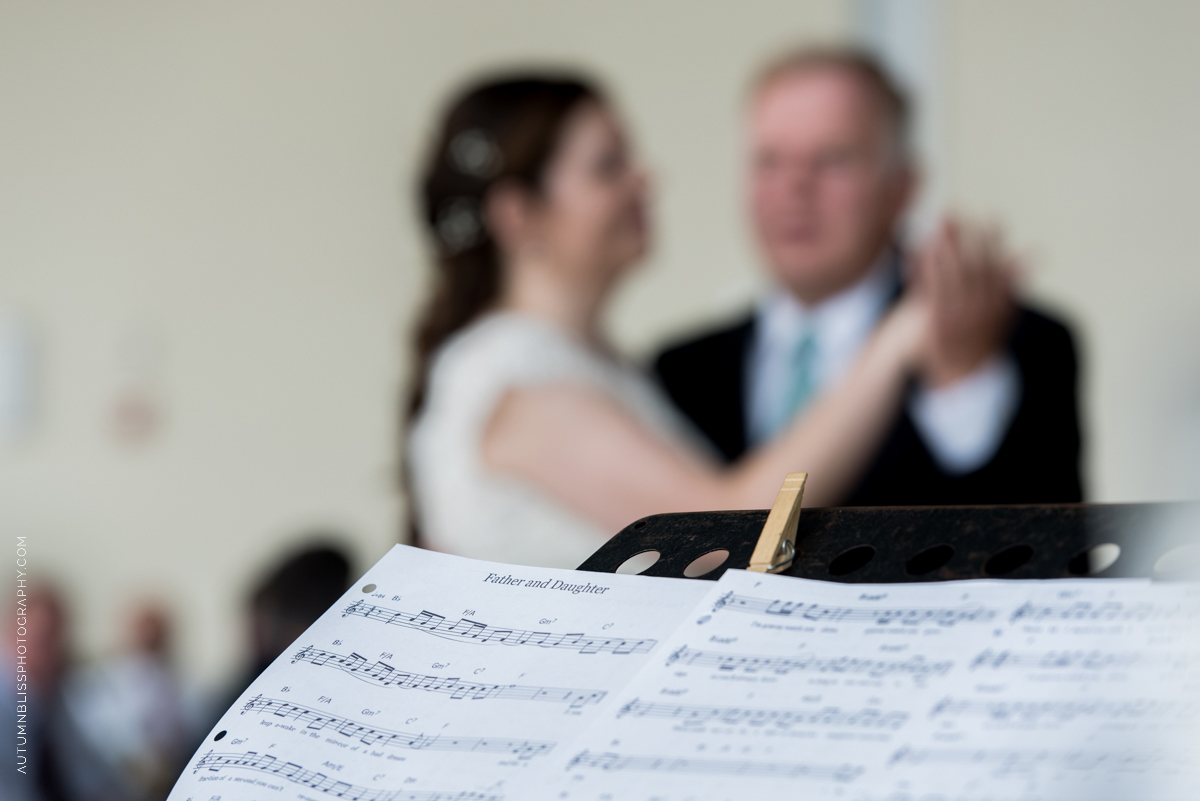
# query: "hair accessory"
[474,152]
[459,225]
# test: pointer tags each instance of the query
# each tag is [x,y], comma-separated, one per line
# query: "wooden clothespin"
[777,543]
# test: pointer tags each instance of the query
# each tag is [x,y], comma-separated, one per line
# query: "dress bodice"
[463,507]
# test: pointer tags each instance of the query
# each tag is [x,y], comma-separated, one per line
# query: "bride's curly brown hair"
[503,131]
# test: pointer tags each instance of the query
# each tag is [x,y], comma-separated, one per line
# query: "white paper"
[779,688]
[437,678]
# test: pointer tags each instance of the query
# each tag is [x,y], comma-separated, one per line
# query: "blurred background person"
[132,708]
[530,441]
[59,761]
[992,414]
[286,600]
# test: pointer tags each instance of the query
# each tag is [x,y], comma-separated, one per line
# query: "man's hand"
[967,280]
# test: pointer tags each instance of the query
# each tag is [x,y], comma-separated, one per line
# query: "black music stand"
[920,543]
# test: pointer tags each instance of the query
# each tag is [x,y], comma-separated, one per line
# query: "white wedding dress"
[465,508]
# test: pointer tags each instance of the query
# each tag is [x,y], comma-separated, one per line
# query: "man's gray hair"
[891,100]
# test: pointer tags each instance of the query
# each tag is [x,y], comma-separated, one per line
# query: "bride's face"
[591,218]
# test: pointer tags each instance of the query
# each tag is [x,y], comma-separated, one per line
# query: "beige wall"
[226,185]
[1077,125]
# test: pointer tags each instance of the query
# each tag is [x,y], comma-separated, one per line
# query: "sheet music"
[777,687]
[436,678]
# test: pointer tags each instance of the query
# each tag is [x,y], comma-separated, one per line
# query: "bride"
[529,440]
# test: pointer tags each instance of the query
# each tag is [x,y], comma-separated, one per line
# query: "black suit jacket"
[1038,461]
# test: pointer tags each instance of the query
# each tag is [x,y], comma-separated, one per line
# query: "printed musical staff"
[988,797]
[1023,761]
[1103,612]
[465,630]
[316,720]
[1030,712]
[313,780]
[758,687]
[609,761]
[773,718]
[1080,660]
[916,667]
[385,675]
[819,613]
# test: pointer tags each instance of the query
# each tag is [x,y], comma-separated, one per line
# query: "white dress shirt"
[962,424]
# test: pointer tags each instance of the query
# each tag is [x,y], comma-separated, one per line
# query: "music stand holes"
[368,588]
[1095,559]
[1181,559]
[851,560]
[640,524]
[929,560]
[705,564]
[638,563]
[220,735]
[1008,560]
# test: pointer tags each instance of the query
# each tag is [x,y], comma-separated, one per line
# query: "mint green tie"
[802,380]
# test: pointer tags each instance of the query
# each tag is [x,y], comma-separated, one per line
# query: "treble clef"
[253,703]
[350,610]
[722,601]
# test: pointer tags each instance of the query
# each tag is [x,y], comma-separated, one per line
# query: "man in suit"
[991,416]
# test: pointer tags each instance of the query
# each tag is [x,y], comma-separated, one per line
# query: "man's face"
[826,186]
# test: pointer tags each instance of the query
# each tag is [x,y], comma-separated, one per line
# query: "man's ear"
[507,213]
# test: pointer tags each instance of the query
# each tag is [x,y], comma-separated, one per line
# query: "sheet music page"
[778,687]
[436,678]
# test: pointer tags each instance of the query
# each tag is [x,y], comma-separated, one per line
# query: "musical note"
[819,613]
[609,761]
[387,676]
[915,666]
[776,718]
[465,630]
[1034,711]
[1106,611]
[251,760]
[1078,659]
[317,720]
